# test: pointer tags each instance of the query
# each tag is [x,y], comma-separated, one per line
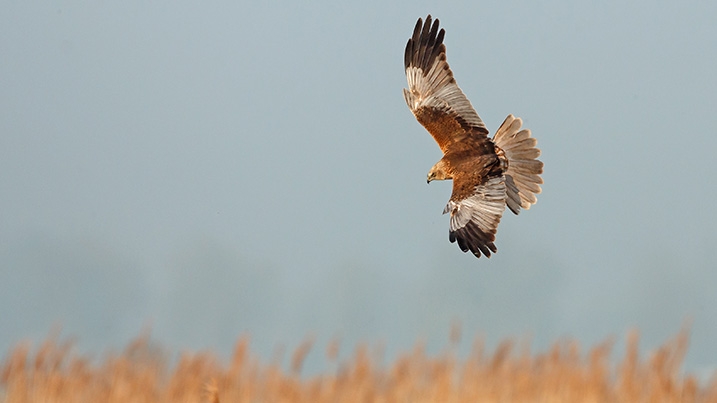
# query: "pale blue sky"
[224,168]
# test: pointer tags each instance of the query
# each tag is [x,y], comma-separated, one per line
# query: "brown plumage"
[487,174]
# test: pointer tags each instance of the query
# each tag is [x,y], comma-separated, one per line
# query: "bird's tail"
[522,178]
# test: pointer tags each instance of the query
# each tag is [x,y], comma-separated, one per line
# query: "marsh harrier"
[487,174]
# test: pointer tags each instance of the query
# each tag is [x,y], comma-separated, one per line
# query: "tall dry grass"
[52,372]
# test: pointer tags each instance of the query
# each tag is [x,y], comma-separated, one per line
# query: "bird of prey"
[487,174]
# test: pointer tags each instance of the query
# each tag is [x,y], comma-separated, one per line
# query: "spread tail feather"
[523,174]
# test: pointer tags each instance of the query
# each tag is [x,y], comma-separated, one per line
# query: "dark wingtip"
[473,240]
[425,45]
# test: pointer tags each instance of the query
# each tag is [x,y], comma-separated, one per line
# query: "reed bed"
[53,372]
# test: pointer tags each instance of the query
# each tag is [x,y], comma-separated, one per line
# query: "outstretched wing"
[476,210]
[433,95]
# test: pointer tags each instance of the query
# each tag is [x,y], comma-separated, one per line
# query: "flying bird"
[487,173]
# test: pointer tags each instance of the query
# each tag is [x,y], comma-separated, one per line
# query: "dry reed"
[142,373]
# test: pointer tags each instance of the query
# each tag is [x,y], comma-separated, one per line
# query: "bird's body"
[487,174]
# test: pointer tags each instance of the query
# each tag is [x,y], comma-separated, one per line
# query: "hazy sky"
[226,168]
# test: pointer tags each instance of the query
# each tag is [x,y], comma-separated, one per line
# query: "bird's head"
[438,172]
